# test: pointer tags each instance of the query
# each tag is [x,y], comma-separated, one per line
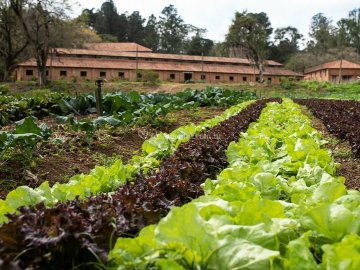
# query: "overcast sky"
[216,15]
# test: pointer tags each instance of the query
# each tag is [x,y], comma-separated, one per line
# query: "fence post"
[99,82]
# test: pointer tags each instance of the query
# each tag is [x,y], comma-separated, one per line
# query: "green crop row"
[106,179]
[13,108]
[278,205]
[123,109]
[127,107]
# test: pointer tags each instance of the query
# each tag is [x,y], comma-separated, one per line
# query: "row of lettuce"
[106,179]
[279,205]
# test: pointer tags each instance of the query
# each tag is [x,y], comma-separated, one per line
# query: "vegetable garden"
[26,152]
[252,188]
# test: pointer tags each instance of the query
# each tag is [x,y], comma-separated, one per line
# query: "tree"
[135,29]
[341,40]
[87,17]
[122,34]
[322,34]
[286,43]
[38,18]
[72,34]
[220,49]
[198,45]
[77,32]
[152,38]
[252,32]
[305,59]
[12,40]
[351,26]
[172,30]
[109,22]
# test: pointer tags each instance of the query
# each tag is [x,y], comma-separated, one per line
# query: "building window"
[83,73]
[188,76]
[217,77]
[121,74]
[269,79]
[231,78]
[334,78]
[63,73]
[29,72]
[102,74]
[346,78]
[203,77]
[172,76]
[258,79]
[47,73]
[139,75]
[244,79]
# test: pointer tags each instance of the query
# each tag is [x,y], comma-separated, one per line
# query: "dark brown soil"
[349,165]
[57,162]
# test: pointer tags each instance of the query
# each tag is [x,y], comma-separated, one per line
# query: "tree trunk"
[41,44]
[8,67]
[6,75]
[261,72]
[41,60]
[42,81]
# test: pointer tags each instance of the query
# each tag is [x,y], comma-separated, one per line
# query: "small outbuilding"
[335,71]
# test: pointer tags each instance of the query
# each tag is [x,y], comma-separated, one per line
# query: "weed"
[342,153]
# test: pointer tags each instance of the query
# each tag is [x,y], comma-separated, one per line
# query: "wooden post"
[340,70]
[136,64]
[99,83]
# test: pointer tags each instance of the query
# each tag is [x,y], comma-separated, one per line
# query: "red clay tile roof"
[117,47]
[334,65]
[123,64]
[164,56]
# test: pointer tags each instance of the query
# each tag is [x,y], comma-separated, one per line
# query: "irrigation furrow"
[70,233]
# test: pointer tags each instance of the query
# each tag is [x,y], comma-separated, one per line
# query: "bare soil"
[349,165]
[58,161]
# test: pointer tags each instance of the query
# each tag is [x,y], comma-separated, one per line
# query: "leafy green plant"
[288,83]
[79,105]
[150,78]
[15,108]
[4,89]
[315,85]
[88,126]
[26,135]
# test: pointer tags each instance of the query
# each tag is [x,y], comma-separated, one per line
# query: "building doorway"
[188,76]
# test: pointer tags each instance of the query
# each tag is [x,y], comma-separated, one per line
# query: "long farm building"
[126,61]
